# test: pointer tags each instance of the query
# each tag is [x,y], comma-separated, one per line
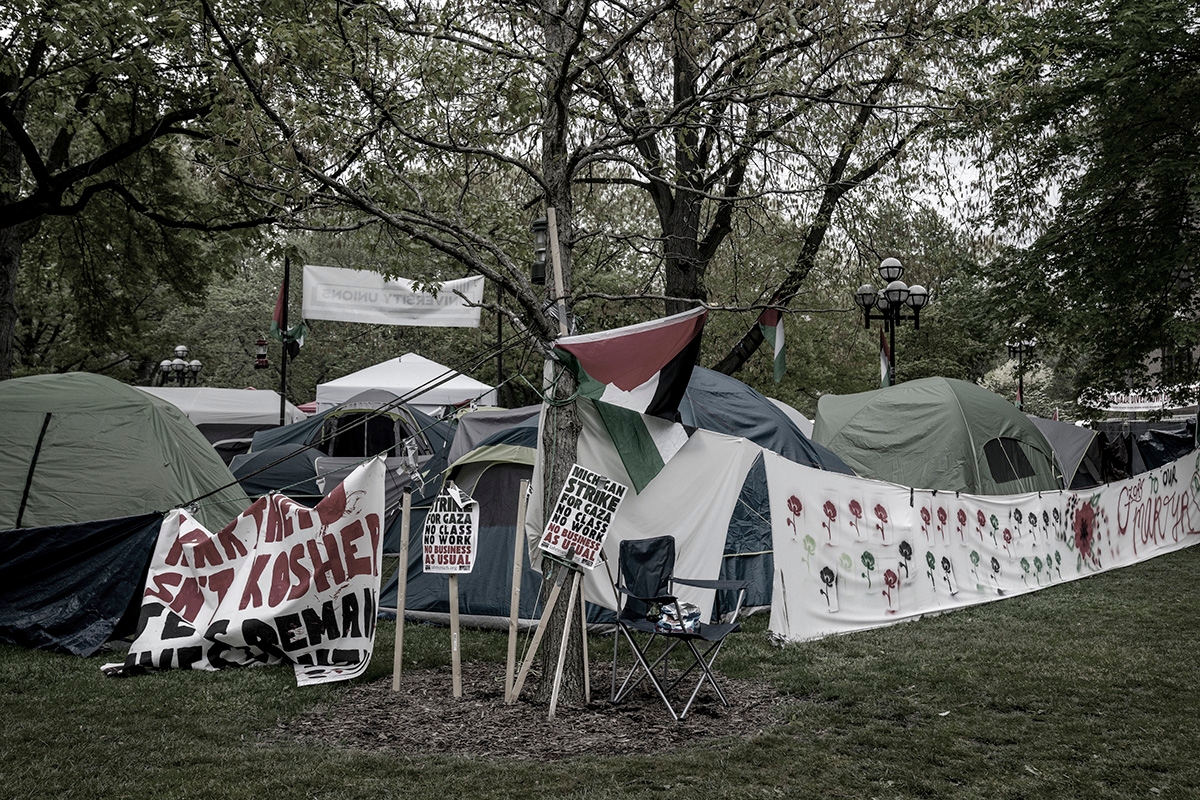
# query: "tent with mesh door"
[938,433]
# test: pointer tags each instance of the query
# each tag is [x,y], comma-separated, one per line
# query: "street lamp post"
[179,369]
[1019,349]
[890,303]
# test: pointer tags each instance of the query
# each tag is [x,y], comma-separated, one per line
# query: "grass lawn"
[1082,690]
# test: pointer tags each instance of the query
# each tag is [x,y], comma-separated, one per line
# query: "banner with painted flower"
[852,554]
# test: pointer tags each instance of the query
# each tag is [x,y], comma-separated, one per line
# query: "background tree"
[1092,120]
[104,104]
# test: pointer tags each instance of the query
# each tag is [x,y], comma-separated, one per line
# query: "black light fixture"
[537,268]
[891,301]
[260,354]
[179,369]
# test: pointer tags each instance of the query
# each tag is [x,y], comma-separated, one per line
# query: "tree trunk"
[12,238]
[560,447]
[561,25]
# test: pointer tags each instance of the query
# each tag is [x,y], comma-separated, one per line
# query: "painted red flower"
[981,519]
[925,515]
[881,513]
[1007,536]
[1085,529]
[830,510]
[891,579]
[856,509]
[962,518]
[794,505]
[941,514]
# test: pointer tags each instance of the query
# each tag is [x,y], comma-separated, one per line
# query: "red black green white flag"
[771,325]
[295,333]
[638,375]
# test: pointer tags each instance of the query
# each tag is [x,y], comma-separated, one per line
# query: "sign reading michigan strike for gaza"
[582,516]
[451,532]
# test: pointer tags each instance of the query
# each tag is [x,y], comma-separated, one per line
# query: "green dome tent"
[938,433]
[79,447]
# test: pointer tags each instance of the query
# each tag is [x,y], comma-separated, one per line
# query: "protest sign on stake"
[515,602]
[401,587]
[449,546]
[582,516]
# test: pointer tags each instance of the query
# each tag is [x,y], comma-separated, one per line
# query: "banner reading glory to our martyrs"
[356,295]
[581,518]
[282,583]
[451,534]
[852,554]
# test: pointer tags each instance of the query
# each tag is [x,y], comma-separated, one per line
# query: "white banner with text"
[356,295]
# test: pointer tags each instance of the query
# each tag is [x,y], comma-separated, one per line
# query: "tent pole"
[283,337]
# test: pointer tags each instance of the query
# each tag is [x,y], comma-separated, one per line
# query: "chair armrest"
[731,586]
[662,599]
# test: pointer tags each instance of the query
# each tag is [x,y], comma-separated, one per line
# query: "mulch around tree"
[423,718]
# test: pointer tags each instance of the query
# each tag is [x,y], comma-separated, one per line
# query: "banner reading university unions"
[282,583]
[354,295]
[852,554]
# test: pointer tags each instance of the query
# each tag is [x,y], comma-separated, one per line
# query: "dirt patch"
[423,718]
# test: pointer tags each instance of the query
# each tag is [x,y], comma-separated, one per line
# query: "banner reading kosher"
[451,534]
[356,295]
[282,583]
[582,516]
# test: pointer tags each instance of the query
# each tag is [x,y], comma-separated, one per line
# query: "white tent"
[204,405]
[228,418]
[422,384]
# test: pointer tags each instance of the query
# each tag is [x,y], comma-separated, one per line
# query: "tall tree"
[1093,141]
[104,103]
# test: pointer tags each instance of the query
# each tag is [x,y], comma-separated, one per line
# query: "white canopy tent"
[422,384]
[228,418]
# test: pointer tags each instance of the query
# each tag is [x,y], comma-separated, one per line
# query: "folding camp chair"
[645,593]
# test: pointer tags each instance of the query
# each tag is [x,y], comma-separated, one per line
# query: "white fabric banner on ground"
[357,295]
[282,583]
[691,499]
[852,554]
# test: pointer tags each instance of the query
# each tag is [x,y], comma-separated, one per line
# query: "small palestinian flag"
[771,325]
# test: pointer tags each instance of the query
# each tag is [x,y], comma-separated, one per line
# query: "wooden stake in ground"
[401,588]
[514,612]
[541,629]
[455,654]
[562,648]
[587,677]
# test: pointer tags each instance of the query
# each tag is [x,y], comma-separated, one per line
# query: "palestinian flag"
[771,325]
[637,375]
[295,333]
[885,362]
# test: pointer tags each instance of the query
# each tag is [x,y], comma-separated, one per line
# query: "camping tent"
[420,383]
[491,473]
[802,422]
[495,449]
[79,447]
[938,433]
[1077,449]
[305,459]
[228,418]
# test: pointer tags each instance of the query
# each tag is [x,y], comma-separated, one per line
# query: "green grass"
[1081,690]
